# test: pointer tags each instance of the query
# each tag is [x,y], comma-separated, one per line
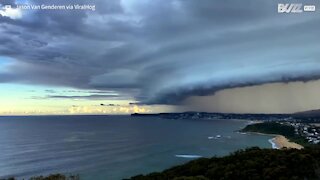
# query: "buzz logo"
[290,8]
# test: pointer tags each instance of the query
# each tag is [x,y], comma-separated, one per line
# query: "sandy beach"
[282,142]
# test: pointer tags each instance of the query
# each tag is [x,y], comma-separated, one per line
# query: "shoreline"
[274,145]
[280,141]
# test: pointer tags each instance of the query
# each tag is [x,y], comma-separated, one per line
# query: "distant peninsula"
[305,117]
[209,115]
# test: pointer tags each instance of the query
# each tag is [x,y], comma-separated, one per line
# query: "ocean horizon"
[113,147]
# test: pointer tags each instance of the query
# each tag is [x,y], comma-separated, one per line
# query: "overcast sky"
[154,52]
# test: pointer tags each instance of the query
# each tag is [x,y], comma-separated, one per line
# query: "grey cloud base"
[160,52]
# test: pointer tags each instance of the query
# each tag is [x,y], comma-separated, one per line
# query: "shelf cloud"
[161,52]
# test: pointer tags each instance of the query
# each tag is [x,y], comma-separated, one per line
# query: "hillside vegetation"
[253,163]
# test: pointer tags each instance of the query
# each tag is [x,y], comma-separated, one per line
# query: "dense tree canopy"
[253,163]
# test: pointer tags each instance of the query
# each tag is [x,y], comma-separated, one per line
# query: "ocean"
[113,147]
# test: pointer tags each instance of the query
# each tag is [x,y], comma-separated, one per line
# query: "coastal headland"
[285,134]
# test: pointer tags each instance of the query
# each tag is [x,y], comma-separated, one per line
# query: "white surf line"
[190,156]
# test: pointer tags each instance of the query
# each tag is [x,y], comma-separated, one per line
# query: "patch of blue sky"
[4,62]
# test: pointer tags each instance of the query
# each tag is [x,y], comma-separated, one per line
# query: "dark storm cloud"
[161,52]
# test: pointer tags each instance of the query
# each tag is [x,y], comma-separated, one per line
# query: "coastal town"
[307,128]
[311,132]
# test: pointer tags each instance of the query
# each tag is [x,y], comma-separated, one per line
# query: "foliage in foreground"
[253,163]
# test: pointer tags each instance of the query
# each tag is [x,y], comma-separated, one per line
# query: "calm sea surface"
[112,147]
